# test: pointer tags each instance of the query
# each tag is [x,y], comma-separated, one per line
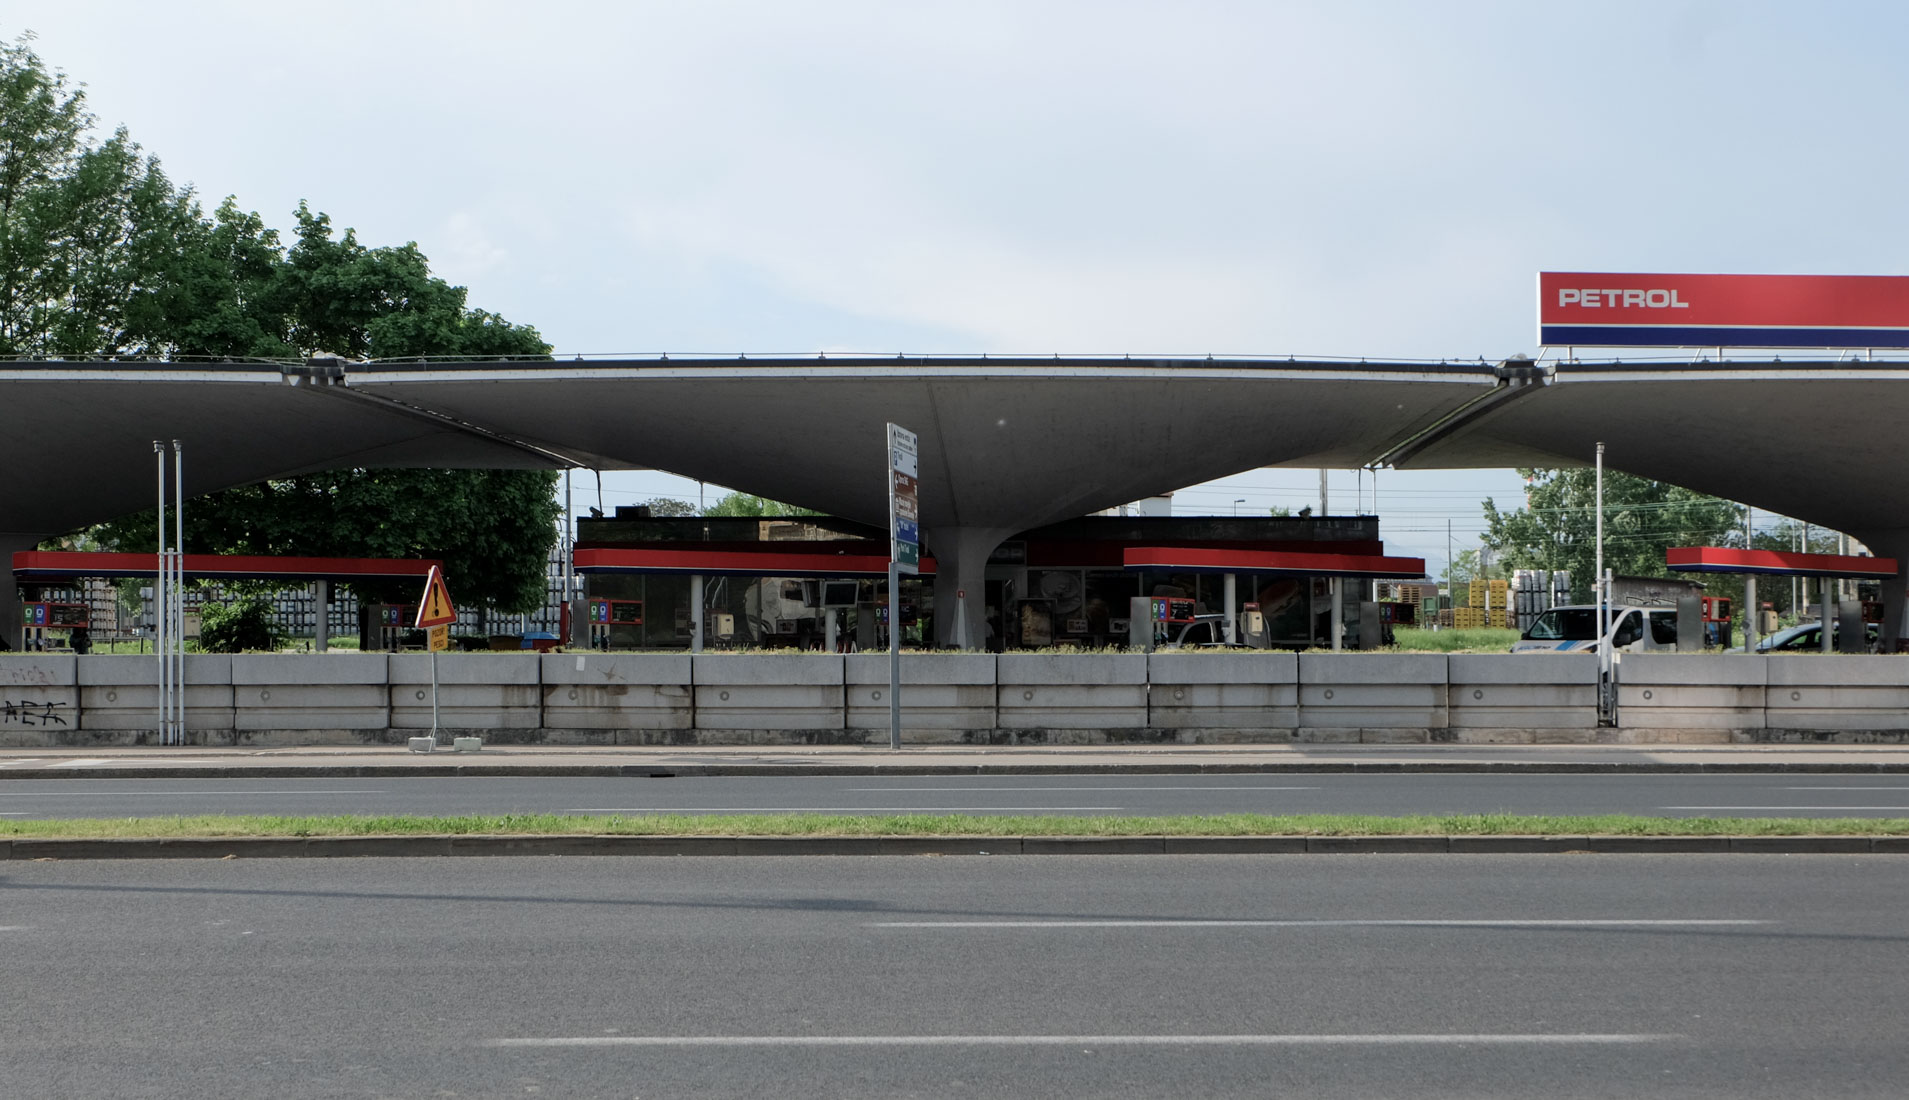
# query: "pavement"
[157,762]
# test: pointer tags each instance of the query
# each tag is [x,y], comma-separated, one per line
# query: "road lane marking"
[1540,1039]
[1843,788]
[820,809]
[169,794]
[80,763]
[1350,923]
[14,927]
[1783,807]
[1075,790]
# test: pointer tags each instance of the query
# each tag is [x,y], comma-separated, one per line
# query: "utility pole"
[1750,623]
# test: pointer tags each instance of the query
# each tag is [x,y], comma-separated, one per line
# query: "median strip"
[1433,1039]
[218,836]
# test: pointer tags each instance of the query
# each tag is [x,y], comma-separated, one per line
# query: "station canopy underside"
[1005,443]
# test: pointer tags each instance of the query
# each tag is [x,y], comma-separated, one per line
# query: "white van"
[1574,630]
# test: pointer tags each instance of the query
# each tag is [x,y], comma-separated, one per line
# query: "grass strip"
[951,825]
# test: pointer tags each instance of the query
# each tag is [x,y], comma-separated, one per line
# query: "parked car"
[1204,632]
[1574,630]
[1808,638]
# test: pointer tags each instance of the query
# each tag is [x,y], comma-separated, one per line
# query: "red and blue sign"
[1600,309]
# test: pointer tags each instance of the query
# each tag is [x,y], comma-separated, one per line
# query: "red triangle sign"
[436,609]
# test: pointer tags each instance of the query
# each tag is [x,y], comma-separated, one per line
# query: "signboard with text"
[1601,309]
[904,506]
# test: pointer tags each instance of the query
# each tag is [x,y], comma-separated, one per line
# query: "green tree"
[88,231]
[744,504]
[1464,568]
[665,507]
[1557,527]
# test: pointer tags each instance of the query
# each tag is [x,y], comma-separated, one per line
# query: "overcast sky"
[1379,179]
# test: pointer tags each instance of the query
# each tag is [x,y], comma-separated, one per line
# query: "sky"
[1329,179]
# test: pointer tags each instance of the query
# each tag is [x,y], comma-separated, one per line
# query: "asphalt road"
[1734,795]
[1317,976]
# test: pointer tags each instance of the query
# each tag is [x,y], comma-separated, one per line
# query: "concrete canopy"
[1815,441]
[78,446]
[1006,444]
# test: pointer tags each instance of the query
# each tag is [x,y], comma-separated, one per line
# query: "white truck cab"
[1574,630]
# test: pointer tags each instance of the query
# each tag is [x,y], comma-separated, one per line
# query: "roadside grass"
[949,825]
[1470,640]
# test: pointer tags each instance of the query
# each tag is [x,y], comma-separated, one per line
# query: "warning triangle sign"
[436,608]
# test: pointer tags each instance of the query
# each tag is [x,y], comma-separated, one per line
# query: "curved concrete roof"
[78,445]
[1817,441]
[1006,442]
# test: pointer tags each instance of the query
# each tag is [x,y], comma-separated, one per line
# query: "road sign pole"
[161,604]
[434,695]
[904,554]
[894,657]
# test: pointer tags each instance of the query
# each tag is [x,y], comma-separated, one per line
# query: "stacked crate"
[1498,603]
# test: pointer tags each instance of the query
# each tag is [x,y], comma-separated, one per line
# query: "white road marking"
[1784,807]
[817,809]
[1843,788]
[1077,790]
[79,763]
[14,927]
[117,793]
[15,813]
[1350,923]
[1565,1039]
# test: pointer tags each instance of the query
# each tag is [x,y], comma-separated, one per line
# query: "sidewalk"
[154,762]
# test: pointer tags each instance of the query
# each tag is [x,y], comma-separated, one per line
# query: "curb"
[671,771]
[589,845]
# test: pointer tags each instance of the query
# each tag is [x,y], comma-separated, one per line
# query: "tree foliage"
[1465,568]
[745,505]
[245,624]
[1557,527]
[669,506]
[101,256]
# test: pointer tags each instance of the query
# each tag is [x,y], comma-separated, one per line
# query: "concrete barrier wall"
[1810,693]
[1501,698]
[1072,691]
[1224,691]
[475,691]
[60,699]
[775,691]
[330,691]
[945,696]
[39,698]
[121,692]
[616,691]
[1692,697]
[1373,697]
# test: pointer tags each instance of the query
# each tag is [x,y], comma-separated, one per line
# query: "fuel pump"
[610,616]
[43,619]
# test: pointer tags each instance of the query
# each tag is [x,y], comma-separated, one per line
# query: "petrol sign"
[1818,311]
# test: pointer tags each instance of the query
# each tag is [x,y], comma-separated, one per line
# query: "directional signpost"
[904,531]
[435,616]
